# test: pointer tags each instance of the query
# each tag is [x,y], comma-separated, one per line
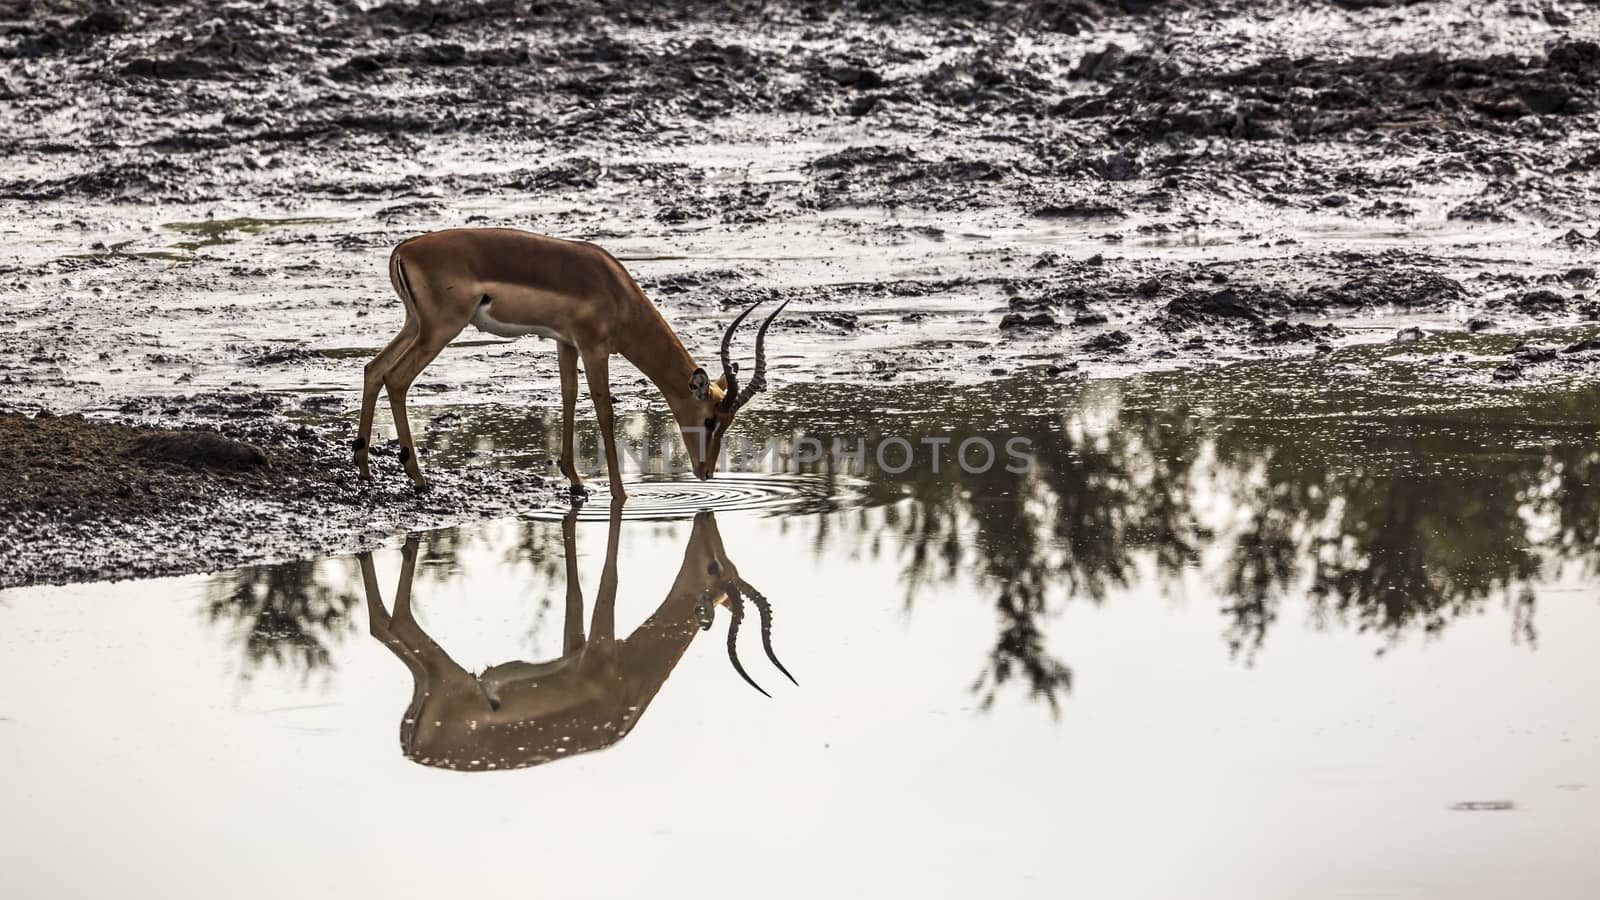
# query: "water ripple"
[664,499]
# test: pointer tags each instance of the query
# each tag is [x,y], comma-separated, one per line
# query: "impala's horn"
[764,609]
[730,370]
[758,380]
[733,399]
[736,608]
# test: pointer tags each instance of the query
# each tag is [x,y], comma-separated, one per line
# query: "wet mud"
[89,499]
[198,202]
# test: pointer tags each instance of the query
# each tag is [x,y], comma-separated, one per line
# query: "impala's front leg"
[567,357]
[597,366]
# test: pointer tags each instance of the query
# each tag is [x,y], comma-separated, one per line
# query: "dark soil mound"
[198,450]
[80,468]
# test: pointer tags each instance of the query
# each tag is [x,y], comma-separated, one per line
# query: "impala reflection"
[523,713]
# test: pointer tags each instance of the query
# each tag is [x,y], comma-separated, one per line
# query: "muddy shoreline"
[198,203]
[93,500]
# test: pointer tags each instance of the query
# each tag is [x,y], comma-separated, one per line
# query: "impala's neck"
[655,350]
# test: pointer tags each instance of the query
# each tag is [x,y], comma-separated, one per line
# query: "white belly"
[490,325]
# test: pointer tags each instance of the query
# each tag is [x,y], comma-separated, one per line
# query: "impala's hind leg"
[398,380]
[371,382]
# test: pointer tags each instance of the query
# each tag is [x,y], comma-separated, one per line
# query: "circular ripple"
[670,499]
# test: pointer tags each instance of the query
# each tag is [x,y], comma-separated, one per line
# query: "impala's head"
[713,404]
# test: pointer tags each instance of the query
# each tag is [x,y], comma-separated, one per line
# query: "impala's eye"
[711,425]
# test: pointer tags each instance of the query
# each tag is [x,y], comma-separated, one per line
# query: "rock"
[1528,355]
[1544,99]
[1576,238]
[1021,321]
[101,21]
[1541,301]
[1410,289]
[1408,335]
[857,77]
[1054,369]
[355,67]
[1081,209]
[1029,304]
[281,356]
[1508,372]
[175,68]
[1282,332]
[1575,56]
[1099,63]
[873,156]
[841,320]
[1196,307]
[1479,323]
[1077,108]
[1088,317]
[1110,342]
[1583,346]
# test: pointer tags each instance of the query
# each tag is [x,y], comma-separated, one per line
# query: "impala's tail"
[402,284]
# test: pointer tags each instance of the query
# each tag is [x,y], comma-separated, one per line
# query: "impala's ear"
[722,383]
[700,384]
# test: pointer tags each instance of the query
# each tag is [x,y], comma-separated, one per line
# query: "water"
[1269,631]
[667,497]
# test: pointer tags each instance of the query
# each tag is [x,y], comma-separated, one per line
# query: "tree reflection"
[287,615]
[1388,521]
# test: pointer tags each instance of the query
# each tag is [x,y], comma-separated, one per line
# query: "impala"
[520,714]
[513,283]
